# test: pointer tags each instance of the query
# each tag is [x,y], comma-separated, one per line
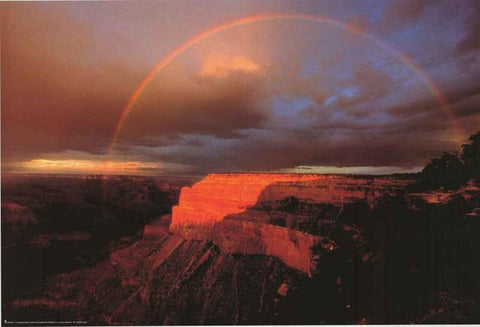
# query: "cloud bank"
[263,97]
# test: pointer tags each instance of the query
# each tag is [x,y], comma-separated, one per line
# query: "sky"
[361,87]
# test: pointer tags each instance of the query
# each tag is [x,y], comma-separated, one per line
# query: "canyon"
[263,248]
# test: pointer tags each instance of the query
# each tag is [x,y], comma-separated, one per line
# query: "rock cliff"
[242,236]
[202,209]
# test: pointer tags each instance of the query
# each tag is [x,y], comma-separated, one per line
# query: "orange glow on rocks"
[218,195]
[219,208]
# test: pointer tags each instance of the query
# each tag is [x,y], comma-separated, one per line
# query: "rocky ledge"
[204,207]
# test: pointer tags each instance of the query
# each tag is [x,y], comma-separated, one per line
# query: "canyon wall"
[218,195]
[290,246]
[202,209]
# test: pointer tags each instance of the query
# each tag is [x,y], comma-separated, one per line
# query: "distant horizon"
[378,171]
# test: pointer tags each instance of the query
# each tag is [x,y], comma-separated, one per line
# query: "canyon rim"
[240,162]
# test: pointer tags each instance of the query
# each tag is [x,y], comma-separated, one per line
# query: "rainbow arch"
[400,57]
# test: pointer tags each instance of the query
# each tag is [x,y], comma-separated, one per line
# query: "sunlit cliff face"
[213,209]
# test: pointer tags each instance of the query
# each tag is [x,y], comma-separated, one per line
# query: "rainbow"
[402,58]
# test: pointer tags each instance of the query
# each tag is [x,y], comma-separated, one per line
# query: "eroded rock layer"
[294,248]
[218,195]
[203,207]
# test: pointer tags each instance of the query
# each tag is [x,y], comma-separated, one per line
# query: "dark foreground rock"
[390,258]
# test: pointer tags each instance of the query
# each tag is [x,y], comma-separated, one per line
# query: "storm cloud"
[264,96]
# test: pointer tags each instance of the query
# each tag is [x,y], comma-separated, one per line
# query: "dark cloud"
[53,98]
[211,105]
[371,84]
[430,105]
[63,89]
[57,97]
[290,149]
[403,12]
[471,39]
[396,15]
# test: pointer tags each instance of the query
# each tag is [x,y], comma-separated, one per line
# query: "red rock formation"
[218,195]
[203,207]
[242,236]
